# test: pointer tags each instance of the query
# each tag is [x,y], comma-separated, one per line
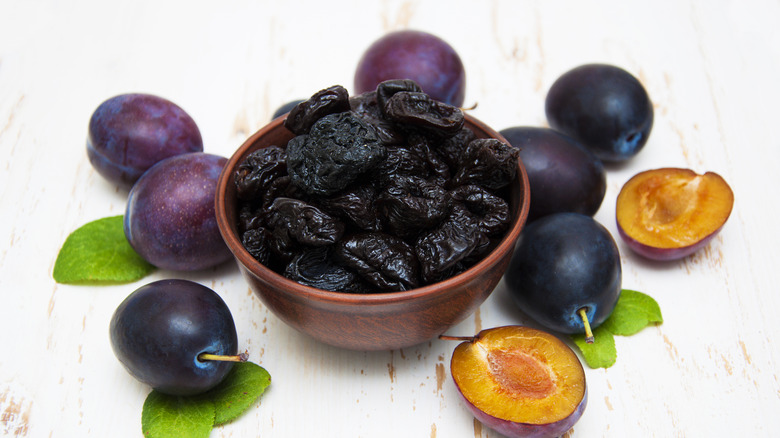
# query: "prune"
[604,107]
[441,250]
[565,262]
[315,267]
[452,148]
[436,166]
[170,219]
[410,204]
[304,223]
[256,173]
[387,89]
[285,108]
[487,162]
[488,211]
[256,241]
[356,204]
[563,175]
[130,133]
[418,110]
[160,331]
[386,262]
[366,107]
[339,148]
[422,57]
[324,102]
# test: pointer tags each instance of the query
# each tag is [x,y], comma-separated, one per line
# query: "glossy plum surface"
[520,381]
[562,263]
[129,133]
[564,176]
[419,56]
[604,107]
[170,219]
[670,213]
[161,328]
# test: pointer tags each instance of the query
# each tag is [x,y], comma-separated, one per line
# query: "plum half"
[670,213]
[520,381]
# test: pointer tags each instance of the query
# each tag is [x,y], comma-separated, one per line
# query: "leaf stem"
[588,332]
[242,357]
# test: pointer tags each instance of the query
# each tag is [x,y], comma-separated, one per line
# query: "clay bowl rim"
[229,234]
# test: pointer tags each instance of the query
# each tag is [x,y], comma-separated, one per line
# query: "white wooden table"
[712,69]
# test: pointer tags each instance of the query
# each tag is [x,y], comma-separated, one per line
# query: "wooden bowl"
[381,321]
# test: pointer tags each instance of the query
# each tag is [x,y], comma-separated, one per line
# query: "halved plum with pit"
[670,213]
[520,381]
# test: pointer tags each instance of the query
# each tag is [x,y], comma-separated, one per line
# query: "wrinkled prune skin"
[386,262]
[324,102]
[315,267]
[487,162]
[256,173]
[452,148]
[385,90]
[338,149]
[436,166]
[400,161]
[366,108]
[356,205]
[488,211]
[303,222]
[257,243]
[440,251]
[418,110]
[410,204]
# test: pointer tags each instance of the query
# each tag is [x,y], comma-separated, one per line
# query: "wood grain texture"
[711,68]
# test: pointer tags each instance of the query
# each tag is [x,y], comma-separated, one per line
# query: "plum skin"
[416,55]
[170,217]
[129,133]
[604,107]
[563,175]
[160,329]
[562,263]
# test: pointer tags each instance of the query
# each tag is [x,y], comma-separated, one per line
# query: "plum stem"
[588,332]
[242,357]
[458,338]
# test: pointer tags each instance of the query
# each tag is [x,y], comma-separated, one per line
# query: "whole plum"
[129,133]
[563,175]
[170,218]
[162,331]
[420,56]
[604,107]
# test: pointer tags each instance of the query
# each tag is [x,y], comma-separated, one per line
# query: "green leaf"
[245,383]
[602,352]
[633,312]
[99,252]
[167,416]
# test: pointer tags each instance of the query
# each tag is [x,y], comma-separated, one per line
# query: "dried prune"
[255,174]
[488,211]
[441,250]
[418,110]
[409,204]
[303,116]
[400,161]
[385,261]
[452,148]
[356,204]
[436,165]
[385,90]
[315,267]
[487,162]
[304,223]
[256,241]
[339,148]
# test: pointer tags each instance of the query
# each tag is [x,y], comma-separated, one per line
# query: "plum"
[604,107]
[670,213]
[563,175]
[175,335]
[565,272]
[129,133]
[520,381]
[170,218]
[420,56]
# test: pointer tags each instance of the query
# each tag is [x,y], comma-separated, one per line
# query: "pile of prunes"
[379,192]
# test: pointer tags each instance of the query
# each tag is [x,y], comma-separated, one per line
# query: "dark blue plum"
[284,109]
[604,107]
[130,133]
[419,56]
[563,175]
[170,218]
[159,331]
[562,263]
